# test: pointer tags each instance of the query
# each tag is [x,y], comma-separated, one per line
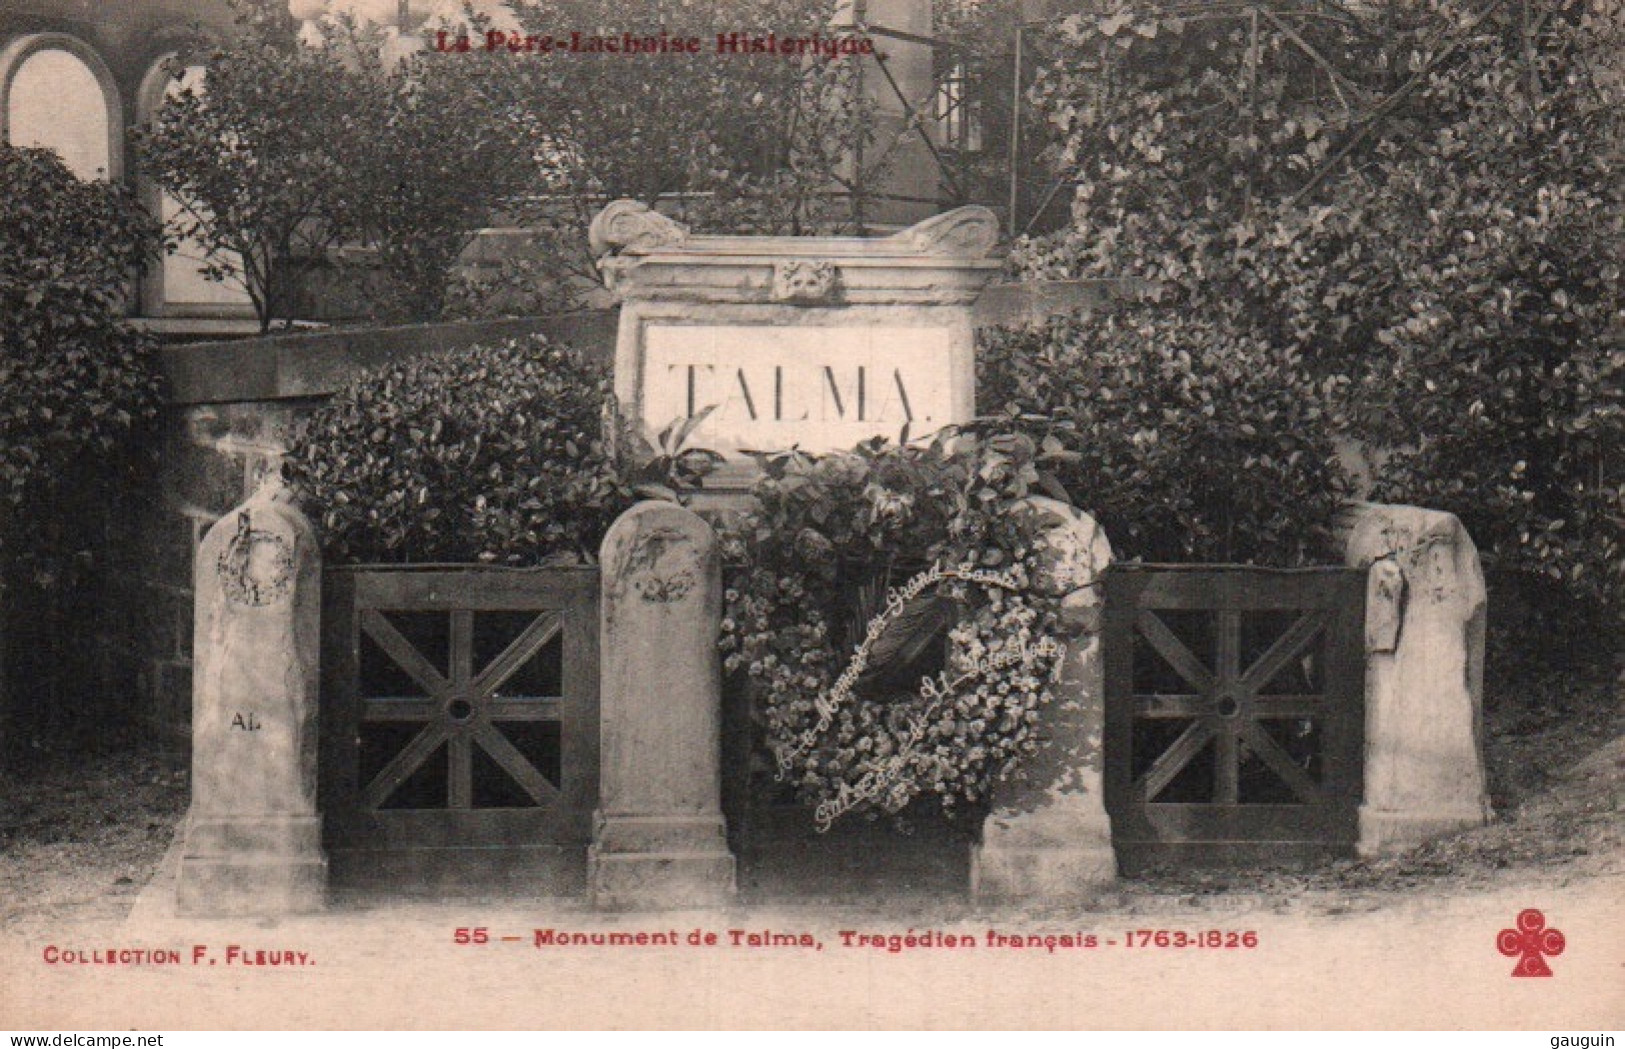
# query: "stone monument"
[1048,837]
[253,836]
[1424,640]
[659,839]
[808,342]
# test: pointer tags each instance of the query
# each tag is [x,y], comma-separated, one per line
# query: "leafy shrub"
[1179,128]
[74,380]
[513,287]
[1425,198]
[418,194]
[494,454]
[1503,362]
[76,387]
[1186,440]
[1524,445]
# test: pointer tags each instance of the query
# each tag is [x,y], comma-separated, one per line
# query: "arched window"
[177,288]
[56,93]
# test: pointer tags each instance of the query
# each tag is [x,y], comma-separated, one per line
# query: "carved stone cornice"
[945,260]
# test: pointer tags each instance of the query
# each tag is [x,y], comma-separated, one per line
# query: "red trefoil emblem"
[1530,942]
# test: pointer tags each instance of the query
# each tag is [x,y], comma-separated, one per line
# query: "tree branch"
[1392,102]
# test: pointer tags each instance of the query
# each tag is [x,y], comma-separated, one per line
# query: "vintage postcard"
[784,514]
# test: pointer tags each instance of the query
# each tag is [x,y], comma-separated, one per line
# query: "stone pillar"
[1424,640]
[1048,837]
[253,835]
[659,839]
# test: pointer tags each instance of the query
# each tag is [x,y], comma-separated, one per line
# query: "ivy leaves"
[1409,217]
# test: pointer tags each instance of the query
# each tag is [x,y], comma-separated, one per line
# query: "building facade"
[75,76]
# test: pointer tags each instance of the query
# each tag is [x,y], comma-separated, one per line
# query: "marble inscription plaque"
[821,388]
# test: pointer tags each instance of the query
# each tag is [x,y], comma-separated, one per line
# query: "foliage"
[493,454]
[1506,356]
[258,156]
[817,581]
[1423,197]
[667,467]
[290,149]
[76,387]
[1179,125]
[444,153]
[74,381]
[1186,440]
[979,38]
[529,286]
[728,142]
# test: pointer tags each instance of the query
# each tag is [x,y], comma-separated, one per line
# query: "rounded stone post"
[1048,837]
[1424,688]
[659,839]
[253,835]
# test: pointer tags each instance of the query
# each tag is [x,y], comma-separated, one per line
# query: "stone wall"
[231,407]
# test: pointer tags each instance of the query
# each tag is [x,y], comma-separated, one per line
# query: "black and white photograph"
[801,515]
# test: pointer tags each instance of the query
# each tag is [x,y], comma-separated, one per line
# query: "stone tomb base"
[1049,856]
[641,862]
[1386,831]
[252,865]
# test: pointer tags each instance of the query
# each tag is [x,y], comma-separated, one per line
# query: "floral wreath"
[952,733]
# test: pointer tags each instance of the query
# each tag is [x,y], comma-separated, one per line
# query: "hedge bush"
[1503,360]
[1424,198]
[76,387]
[1186,438]
[495,454]
[74,380]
